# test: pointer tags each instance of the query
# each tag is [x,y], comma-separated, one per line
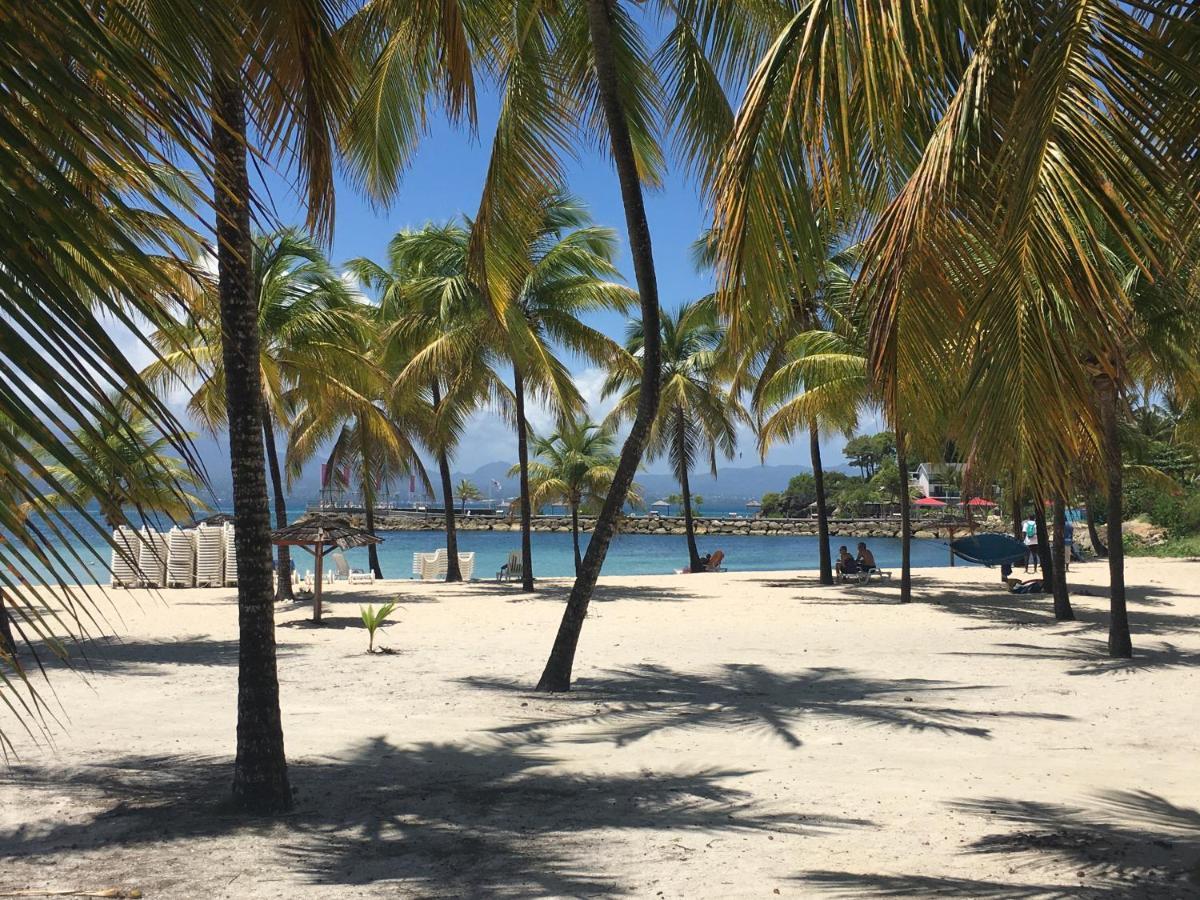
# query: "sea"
[629,554]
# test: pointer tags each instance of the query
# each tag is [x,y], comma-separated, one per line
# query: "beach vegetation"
[373,619]
[697,415]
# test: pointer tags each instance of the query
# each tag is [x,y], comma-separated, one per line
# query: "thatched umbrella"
[315,533]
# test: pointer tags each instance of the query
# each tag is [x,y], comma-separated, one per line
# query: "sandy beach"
[739,735]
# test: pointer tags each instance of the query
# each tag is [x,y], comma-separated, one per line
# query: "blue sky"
[445,180]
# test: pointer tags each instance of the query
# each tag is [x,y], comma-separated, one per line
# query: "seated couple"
[855,565]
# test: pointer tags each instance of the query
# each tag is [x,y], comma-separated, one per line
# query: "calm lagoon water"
[632,554]
[629,554]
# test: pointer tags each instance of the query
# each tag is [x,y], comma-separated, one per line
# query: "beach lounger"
[430,566]
[152,558]
[125,557]
[466,565]
[514,569]
[352,576]
[864,576]
[181,558]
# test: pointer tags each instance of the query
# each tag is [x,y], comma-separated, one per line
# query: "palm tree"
[574,466]
[468,492]
[583,68]
[989,164]
[437,340]
[133,467]
[90,236]
[696,413]
[306,324]
[570,272]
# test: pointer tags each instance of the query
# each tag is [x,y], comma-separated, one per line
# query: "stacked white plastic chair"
[210,556]
[152,558]
[125,557]
[466,565]
[230,556]
[181,558]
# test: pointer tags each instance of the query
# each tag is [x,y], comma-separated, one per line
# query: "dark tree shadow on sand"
[435,819]
[632,703]
[1090,657]
[1127,844]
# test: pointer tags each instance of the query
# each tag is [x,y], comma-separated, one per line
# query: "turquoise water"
[629,554]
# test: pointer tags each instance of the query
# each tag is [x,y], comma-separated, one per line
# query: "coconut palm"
[990,162]
[574,466]
[437,340]
[581,72]
[363,424]
[307,320]
[135,467]
[697,415]
[570,273]
[90,238]
[467,492]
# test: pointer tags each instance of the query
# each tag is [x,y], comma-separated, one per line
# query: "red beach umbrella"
[979,501]
[928,501]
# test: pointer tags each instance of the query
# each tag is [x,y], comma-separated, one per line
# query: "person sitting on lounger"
[865,558]
[846,564]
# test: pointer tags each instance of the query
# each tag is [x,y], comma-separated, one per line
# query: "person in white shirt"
[1029,531]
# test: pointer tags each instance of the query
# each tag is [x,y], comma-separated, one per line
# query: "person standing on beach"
[1029,529]
[1068,543]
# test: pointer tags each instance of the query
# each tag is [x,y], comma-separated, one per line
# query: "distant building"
[938,480]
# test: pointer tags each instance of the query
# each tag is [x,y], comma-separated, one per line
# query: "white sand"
[740,735]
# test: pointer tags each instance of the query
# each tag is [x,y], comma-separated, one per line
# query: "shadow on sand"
[1126,844]
[632,703]
[440,819]
[1090,657]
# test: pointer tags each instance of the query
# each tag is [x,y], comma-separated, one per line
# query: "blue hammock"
[989,549]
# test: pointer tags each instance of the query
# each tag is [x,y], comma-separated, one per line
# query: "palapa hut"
[317,532]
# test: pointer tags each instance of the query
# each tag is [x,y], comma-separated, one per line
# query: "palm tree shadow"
[499,821]
[630,704]
[994,606]
[1126,844]
[1090,657]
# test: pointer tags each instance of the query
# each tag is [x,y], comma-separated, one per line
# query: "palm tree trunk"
[823,555]
[1062,598]
[8,644]
[1097,544]
[523,464]
[689,525]
[1016,511]
[260,776]
[367,479]
[575,537]
[905,520]
[1045,560]
[557,674]
[283,566]
[453,573]
[1120,644]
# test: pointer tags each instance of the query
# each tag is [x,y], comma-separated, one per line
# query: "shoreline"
[673,525]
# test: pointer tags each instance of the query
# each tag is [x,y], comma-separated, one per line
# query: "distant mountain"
[732,487]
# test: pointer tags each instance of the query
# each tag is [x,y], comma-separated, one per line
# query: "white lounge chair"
[430,566]
[152,558]
[352,576]
[181,558]
[125,557]
[230,556]
[210,556]
[466,565]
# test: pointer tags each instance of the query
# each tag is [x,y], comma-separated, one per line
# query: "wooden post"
[317,588]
